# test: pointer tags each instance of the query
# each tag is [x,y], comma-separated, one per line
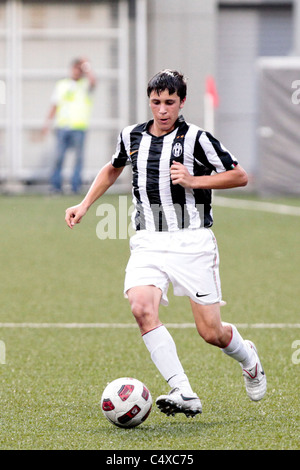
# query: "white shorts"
[189,259]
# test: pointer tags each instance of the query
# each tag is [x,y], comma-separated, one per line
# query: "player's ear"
[182,103]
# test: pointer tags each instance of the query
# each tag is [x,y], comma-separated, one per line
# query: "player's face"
[165,110]
[76,72]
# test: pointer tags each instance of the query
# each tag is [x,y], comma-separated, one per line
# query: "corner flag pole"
[211,101]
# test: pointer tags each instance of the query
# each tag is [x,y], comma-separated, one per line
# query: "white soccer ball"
[126,402]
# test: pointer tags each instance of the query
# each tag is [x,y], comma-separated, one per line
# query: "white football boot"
[255,378]
[177,402]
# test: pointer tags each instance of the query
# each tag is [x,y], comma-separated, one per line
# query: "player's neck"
[158,132]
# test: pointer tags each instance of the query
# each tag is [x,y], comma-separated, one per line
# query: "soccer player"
[175,166]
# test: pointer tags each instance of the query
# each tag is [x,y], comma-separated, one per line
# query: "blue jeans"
[67,139]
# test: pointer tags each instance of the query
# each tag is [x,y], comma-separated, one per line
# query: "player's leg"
[144,302]
[62,144]
[226,336]
[78,139]
[215,332]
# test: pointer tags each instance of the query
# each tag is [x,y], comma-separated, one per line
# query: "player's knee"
[141,310]
[211,336]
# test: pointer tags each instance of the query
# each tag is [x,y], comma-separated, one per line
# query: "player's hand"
[85,66]
[74,215]
[44,132]
[180,175]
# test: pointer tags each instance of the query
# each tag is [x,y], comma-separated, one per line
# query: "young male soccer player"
[175,166]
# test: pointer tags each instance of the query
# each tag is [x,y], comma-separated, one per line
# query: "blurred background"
[241,58]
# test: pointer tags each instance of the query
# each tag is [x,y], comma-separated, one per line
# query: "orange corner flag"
[211,90]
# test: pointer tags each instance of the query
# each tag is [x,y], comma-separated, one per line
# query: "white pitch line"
[68,325]
[256,205]
[133,325]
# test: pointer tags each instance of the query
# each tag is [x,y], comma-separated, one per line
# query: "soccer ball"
[126,402]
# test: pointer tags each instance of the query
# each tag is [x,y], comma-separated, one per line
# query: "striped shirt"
[160,205]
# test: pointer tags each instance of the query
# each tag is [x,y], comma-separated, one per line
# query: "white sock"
[163,353]
[239,350]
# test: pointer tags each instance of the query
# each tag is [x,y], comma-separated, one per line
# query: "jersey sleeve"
[120,157]
[216,156]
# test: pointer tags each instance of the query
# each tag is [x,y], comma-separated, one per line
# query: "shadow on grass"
[192,433]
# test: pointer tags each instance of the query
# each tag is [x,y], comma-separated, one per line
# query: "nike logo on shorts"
[201,295]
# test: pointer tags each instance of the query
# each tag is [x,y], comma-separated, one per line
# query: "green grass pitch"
[52,379]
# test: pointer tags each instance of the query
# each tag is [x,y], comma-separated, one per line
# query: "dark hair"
[170,80]
[76,61]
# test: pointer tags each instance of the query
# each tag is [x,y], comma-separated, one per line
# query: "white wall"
[182,36]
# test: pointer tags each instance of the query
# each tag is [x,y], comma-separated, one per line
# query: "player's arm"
[88,71]
[49,119]
[105,178]
[228,179]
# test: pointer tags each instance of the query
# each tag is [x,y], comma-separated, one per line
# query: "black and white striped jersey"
[160,205]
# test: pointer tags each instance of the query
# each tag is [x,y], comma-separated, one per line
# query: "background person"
[71,104]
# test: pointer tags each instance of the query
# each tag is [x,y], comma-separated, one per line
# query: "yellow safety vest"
[73,104]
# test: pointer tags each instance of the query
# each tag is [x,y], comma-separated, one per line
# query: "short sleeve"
[218,157]
[120,157]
